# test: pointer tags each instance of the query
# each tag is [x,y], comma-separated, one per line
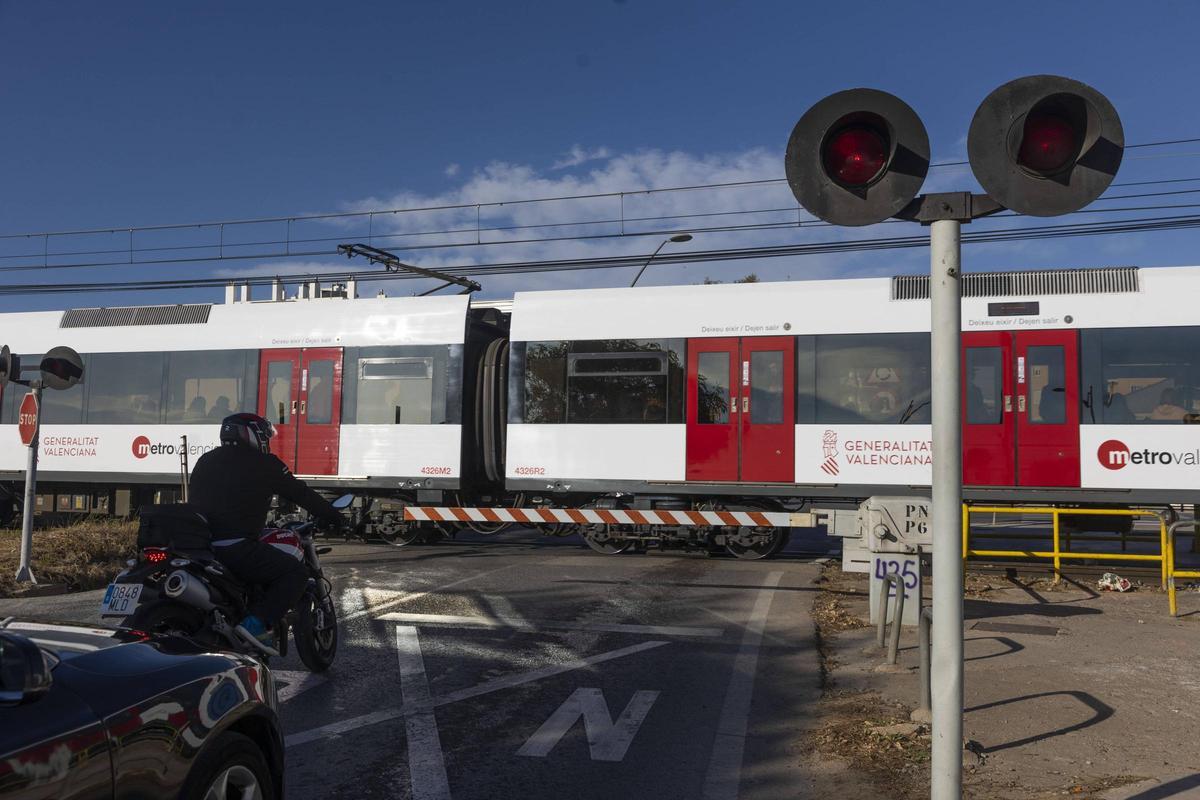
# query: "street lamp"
[680,238]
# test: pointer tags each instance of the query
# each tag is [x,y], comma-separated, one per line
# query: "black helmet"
[249,429]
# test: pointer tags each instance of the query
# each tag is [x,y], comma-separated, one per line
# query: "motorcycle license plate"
[120,599]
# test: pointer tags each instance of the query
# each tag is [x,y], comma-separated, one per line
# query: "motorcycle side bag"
[179,527]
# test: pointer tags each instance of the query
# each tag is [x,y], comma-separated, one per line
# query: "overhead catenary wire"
[289,251]
[612,262]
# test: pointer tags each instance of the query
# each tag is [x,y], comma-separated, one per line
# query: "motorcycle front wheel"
[315,631]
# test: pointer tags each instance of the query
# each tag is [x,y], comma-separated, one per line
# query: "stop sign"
[27,418]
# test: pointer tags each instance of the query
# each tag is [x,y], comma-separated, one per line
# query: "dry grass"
[82,556]
[853,726]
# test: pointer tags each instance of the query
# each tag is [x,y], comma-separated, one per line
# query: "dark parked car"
[93,712]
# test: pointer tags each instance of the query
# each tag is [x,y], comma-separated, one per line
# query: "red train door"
[741,410]
[300,391]
[989,435]
[713,432]
[1021,408]
[319,419]
[1047,408]
[278,401]
[768,409]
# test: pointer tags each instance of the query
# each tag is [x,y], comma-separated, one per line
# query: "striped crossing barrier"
[606,516]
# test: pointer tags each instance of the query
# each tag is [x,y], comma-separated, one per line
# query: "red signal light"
[155,555]
[1049,143]
[855,155]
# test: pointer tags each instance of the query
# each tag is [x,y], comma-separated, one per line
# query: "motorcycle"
[176,585]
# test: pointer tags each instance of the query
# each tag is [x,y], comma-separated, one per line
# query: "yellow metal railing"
[1057,553]
[1173,573]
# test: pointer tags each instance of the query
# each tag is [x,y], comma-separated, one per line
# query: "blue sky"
[147,113]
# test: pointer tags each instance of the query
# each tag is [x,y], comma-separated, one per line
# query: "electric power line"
[612,262]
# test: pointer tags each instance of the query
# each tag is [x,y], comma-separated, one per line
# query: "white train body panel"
[597,452]
[409,450]
[364,450]
[865,454]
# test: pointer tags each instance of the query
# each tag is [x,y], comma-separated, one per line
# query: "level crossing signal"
[1041,145]
[61,368]
[1045,145]
[10,365]
[857,157]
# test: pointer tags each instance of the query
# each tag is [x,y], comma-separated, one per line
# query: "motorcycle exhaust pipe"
[181,586]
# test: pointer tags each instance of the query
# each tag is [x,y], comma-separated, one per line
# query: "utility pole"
[1041,145]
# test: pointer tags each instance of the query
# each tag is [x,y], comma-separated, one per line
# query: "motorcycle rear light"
[155,555]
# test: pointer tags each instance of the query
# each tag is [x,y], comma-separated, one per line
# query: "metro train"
[1078,387]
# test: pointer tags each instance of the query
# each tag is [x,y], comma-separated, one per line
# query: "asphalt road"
[527,667]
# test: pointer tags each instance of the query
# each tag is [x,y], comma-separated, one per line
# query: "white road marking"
[426,765]
[724,775]
[296,681]
[451,620]
[487,687]
[607,740]
[417,595]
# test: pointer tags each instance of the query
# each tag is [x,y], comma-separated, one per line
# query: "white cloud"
[452,170]
[517,213]
[577,155]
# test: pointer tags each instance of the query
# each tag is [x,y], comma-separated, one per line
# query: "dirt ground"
[82,556]
[1070,692]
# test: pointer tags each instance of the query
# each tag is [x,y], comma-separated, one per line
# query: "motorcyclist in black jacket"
[232,486]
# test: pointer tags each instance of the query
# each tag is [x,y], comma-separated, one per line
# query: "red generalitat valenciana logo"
[1113,454]
[141,447]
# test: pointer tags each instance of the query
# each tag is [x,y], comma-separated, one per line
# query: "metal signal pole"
[24,571]
[947,664]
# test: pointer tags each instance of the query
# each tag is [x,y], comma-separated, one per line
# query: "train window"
[616,387]
[545,379]
[766,386]
[125,388]
[395,391]
[64,407]
[319,408]
[409,385]
[984,381]
[600,381]
[1148,376]
[516,381]
[872,378]
[1046,387]
[624,381]
[207,386]
[279,391]
[712,387]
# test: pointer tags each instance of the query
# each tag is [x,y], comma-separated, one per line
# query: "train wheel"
[754,543]
[397,533]
[601,539]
